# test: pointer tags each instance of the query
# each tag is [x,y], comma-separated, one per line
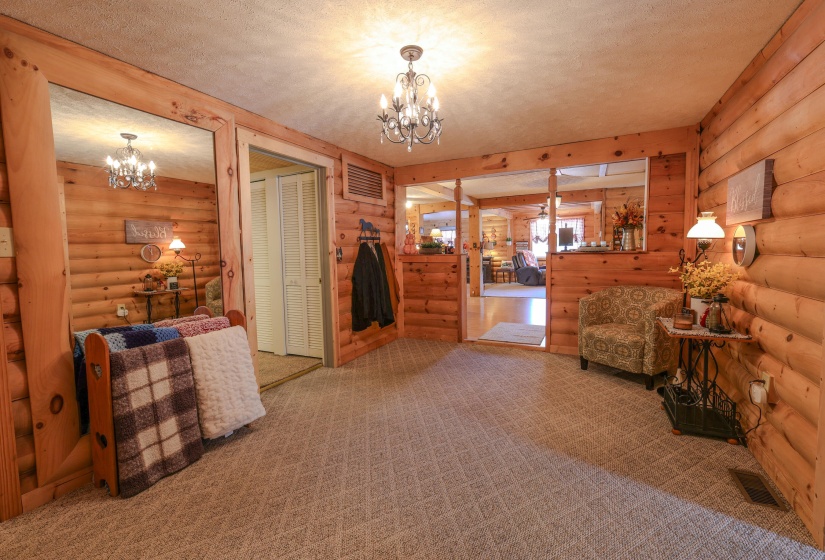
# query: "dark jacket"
[370,291]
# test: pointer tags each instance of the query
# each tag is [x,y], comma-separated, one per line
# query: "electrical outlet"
[121,310]
[768,380]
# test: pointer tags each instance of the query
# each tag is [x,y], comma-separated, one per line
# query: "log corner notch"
[41,259]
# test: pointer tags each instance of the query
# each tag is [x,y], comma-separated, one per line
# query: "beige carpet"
[273,368]
[517,333]
[435,450]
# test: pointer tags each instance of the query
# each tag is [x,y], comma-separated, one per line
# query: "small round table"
[504,271]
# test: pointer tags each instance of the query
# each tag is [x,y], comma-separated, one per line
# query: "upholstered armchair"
[214,297]
[617,328]
[528,271]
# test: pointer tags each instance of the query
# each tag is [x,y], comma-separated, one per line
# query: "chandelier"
[414,121]
[128,170]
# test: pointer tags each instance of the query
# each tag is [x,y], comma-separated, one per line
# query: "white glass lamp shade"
[558,200]
[706,228]
[435,232]
[176,245]
[488,246]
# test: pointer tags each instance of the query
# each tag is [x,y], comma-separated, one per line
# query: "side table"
[150,295]
[508,272]
[698,405]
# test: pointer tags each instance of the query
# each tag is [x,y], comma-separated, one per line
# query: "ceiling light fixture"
[128,169]
[414,121]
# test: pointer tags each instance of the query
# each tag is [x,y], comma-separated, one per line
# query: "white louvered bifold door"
[262,268]
[302,265]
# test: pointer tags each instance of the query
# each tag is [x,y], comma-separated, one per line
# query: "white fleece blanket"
[224,381]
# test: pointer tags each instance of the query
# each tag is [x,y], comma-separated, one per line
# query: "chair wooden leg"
[649,379]
[583,362]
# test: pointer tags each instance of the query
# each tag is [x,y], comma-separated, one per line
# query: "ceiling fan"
[543,215]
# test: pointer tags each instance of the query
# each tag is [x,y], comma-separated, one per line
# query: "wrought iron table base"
[698,405]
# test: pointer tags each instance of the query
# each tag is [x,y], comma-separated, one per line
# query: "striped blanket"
[155,413]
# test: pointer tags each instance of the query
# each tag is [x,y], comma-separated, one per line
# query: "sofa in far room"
[528,271]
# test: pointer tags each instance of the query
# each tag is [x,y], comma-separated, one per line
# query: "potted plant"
[703,281]
[628,217]
[509,241]
[431,248]
[170,270]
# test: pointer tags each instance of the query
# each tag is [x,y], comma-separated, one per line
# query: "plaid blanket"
[79,356]
[202,327]
[178,321]
[155,414]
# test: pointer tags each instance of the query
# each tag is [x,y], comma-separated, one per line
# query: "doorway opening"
[286,229]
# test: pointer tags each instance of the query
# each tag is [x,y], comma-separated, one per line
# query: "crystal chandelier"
[414,121]
[128,170]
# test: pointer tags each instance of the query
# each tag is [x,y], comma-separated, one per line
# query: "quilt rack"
[101,416]
[369,232]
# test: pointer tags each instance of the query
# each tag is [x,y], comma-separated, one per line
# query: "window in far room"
[577,225]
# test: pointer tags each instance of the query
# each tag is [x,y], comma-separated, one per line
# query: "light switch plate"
[6,242]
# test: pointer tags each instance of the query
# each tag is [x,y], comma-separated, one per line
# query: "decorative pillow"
[530,259]
[155,414]
[224,381]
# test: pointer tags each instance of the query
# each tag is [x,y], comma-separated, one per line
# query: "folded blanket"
[202,327]
[155,414]
[121,341]
[79,356]
[179,320]
[224,381]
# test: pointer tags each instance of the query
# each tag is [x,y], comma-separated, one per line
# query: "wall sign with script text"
[143,232]
[749,193]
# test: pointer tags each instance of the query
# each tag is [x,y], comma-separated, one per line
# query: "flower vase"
[628,239]
[699,306]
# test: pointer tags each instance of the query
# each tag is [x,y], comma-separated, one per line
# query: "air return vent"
[756,490]
[363,185]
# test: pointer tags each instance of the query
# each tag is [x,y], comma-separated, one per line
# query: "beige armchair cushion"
[617,328]
[214,297]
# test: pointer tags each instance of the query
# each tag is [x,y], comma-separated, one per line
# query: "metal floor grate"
[756,490]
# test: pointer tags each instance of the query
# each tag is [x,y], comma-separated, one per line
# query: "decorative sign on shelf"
[143,232]
[749,193]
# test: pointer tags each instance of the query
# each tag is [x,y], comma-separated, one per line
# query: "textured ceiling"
[87,129]
[510,75]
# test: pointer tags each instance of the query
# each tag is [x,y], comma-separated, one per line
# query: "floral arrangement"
[629,214]
[706,279]
[170,269]
[432,245]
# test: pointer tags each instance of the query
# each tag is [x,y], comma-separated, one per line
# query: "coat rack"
[369,232]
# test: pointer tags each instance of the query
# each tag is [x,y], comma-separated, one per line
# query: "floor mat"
[273,368]
[515,332]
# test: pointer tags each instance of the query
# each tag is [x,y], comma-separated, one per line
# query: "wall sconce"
[705,231]
[176,245]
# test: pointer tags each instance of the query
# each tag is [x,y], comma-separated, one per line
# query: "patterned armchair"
[617,328]
[214,297]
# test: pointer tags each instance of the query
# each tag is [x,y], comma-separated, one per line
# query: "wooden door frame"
[246,139]
[26,69]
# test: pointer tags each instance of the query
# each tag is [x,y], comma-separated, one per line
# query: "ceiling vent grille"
[364,185]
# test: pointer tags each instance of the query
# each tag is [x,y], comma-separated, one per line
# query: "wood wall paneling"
[775,110]
[432,296]
[105,271]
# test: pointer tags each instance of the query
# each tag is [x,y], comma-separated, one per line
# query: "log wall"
[433,287]
[776,109]
[105,271]
[575,275]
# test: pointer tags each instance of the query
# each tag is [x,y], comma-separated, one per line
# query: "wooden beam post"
[462,273]
[552,187]
[476,283]
[41,267]
[818,514]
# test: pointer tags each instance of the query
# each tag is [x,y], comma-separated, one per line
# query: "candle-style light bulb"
[109,161]
[396,93]
[431,90]
[152,167]
[383,101]
[435,104]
